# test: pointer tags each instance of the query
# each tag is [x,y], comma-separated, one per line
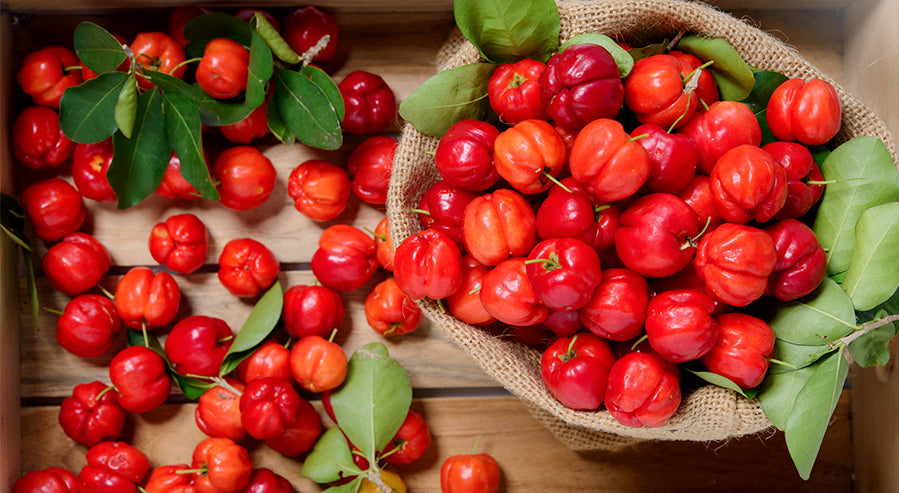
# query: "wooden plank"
[530,457]
[872,68]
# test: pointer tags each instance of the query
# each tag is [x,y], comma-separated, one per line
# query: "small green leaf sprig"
[146,126]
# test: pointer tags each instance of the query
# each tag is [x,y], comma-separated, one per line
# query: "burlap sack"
[709,413]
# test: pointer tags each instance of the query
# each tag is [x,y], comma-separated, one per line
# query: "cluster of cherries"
[624,225]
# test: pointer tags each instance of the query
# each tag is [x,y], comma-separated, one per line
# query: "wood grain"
[530,458]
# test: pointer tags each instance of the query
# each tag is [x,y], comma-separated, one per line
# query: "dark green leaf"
[448,97]
[720,381]
[865,176]
[330,459]
[757,101]
[97,48]
[259,72]
[277,125]
[814,405]
[204,28]
[327,85]
[138,164]
[822,317]
[373,402]
[307,110]
[12,218]
[872,349]
[873,273]
[623,59]
[126,106]
[778,392]
[890,307]
[31,283]
[734,77]
[87,111]
[185,137]
[213,112]
[506,31]
[256,329]
[351,487]
[192,388]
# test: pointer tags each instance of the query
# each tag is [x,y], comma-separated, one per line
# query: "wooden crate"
[854,41]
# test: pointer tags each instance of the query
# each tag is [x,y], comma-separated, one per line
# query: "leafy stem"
[866,328]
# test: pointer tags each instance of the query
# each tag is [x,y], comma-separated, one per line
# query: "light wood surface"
[460,403]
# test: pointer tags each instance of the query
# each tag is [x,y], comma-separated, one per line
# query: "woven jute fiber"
[708,413]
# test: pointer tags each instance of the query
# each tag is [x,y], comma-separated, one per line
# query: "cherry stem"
[682,115]
[333,335]
[441,306]
[289,341]
[143,328]
[185,62]
[53,311]
[200,470]
[554,180]
[475,289]
[73,67]
[639,341]
[421,211]
[107,389]
[476,444]
[782,363]
[106,292]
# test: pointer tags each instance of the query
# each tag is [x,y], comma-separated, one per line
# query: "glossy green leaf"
[277,125]
[733,75]
[139,163]
[796,355]
[890,307]
[256,329]
[873,273]
[185,137]
[721,381]
[87,111]
[448,97]
[260,70]
[330,459]
[778,392]
[373,402]
[97,48]
[808,420]
[192,388]
[757,101]
[623,59]
[126,106]
[204,28]
[306,110]
[328,86]
[212,111]
[647,51]
[872,349]
[822,317]
[864,176]
[506,31]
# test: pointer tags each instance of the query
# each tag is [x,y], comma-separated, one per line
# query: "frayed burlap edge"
[708,414]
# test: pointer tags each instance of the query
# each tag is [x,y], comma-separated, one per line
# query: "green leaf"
[31,284]
[277,125]
[647,51]
[733,75]
[324,82]
[126,106]
[865,176]
[256,329]
[185,137]
[330,459]
[306,110]
[192,388]
[623,59]
[506,31]
[814,405]
[12,221]
[274,40]
[872,349]
[778,392]
[822,317]
[87,111]
[721,381]
[873,273]
[139,163]
[204,28]
[97,48]
[797,355]
[213,112]
[757,101]
[260,70]
[448,97]
[351,487]
[890,307]
[373,402]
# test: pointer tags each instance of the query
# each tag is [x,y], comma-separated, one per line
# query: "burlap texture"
[709,413]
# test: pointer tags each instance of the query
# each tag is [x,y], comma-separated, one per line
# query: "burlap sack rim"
[710,413]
